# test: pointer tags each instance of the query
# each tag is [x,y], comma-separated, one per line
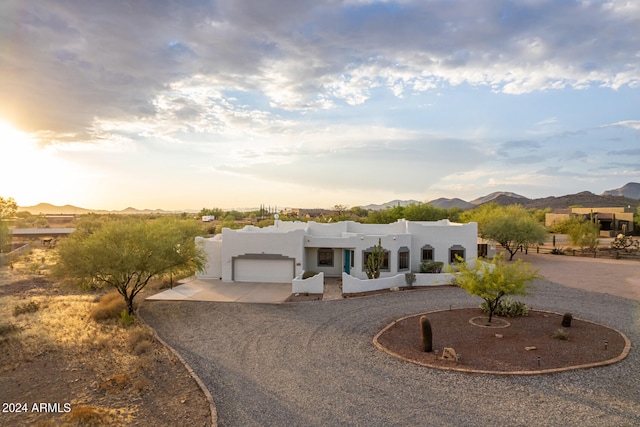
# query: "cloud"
[66,64]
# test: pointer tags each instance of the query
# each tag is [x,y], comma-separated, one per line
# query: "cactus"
[374,261]
[566,320]
[427,336]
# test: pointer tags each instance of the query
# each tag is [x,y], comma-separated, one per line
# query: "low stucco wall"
[352,285]
[312,285]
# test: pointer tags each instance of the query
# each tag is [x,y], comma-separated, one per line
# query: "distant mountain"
[49,209]
[498,194]
[630,190]
[444,203]
[584,199]
[374,207]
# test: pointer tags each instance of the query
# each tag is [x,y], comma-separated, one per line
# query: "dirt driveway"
[615,277]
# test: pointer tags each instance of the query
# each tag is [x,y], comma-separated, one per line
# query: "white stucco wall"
[257,241]
[442,235]
[300,241]
[213,249]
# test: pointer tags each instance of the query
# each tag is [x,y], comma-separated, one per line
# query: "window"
[385,260]
[455,252]
[325,257]
[403,258]
[427,253]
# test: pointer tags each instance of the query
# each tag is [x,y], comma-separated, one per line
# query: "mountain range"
[626,196]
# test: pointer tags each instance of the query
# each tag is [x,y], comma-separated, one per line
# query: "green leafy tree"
[127,254]
[493,280]
[583,233]
[8,209]
[512,227]
[374,261]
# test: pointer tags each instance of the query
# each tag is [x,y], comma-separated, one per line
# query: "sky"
[236,104]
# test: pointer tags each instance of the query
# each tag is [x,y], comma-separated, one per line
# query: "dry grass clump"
[7,329]
[109,307]
[92,416]
[140,341]
[26,308]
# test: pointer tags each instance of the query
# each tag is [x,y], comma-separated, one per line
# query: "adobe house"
[612,220]
[283,251]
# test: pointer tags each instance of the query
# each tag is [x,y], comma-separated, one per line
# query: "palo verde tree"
[493,280]
[511,226]
[127,254]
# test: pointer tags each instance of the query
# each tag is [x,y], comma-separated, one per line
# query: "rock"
[394,289]
[449,354]
[533,347]
[499,336]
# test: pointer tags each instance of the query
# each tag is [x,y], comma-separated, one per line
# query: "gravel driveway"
[314,364]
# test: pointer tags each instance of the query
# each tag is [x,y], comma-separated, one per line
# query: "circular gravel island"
[533,344]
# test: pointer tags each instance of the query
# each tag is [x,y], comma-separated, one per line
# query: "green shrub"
[410,279]
[431,267]
[29,307]
[126,319]
[561,334]
[507,307]
[308,274]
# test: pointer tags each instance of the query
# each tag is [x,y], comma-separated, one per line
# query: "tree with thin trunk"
[513,228]
[127,254]
[493,280]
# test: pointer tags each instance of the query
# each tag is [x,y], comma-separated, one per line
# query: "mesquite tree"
[493,280]
[127,254]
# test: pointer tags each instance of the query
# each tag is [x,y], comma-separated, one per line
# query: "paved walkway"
[217,290]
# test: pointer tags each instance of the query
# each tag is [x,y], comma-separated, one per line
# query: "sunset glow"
[197,104]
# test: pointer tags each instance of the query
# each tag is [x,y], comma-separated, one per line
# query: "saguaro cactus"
[566,320]
[374,262]
[427,336]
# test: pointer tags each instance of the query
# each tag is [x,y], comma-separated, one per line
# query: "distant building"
[612,220]
[208,218]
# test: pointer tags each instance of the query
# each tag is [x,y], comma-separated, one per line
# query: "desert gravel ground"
[314,364]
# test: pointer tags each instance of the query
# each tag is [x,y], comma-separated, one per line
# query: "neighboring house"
[612,220]
[283,251]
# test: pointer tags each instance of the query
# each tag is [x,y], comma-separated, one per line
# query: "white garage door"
[263,270]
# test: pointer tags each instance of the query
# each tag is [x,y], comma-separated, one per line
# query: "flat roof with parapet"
[38,232]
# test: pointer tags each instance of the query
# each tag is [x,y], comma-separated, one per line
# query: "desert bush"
[566,320]
[87,415]
[109,307]
[8,328]
[140,341]
[431,267]
[561,334]
[28,307]
[410,279]
[141,384]
[557,251]
[507,307]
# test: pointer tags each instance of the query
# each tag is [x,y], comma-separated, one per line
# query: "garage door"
[263,270]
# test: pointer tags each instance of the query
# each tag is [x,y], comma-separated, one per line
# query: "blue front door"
[347,261]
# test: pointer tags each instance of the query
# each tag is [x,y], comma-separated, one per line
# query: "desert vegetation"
[71,349]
